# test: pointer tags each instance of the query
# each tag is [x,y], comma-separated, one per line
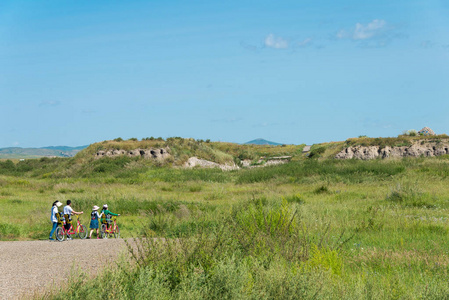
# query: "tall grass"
[261,252]
[252,233]
[265,249]
[351,171]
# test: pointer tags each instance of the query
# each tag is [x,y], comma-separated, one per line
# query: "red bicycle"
[62,233]
[110,228]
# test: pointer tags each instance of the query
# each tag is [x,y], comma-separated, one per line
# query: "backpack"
[60,218]
[104,217]
[94,215]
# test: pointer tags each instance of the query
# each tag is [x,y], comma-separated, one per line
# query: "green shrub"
[195,189]
[7,166]
[315,153]
[411,132]
[10,230]
[323,189]
[410,195]
[353,171]
[327,259]
[297,198]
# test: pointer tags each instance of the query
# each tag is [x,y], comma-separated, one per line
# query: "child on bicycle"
[68,212]
[106,215]
[94,218]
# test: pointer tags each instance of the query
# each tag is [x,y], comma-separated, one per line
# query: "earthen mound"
[417,149]
[153,153]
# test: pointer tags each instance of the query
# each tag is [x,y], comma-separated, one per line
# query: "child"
[105,215]
[94,217]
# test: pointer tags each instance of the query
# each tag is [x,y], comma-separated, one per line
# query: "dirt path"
[30,266]
[306,149]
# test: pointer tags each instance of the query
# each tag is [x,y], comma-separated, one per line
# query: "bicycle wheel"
[82,232]
[104,229]
[60,234]
[116,232]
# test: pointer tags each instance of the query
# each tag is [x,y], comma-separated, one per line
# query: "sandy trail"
[27,267]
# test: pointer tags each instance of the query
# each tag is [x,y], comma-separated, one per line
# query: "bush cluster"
[332,170]
[258,251]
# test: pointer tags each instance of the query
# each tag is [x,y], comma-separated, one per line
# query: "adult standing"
[68,212]
[53,219]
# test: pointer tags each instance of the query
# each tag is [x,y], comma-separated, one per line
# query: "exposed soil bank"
[417,149]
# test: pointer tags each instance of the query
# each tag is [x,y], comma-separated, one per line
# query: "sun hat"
[95,207]
[105,206]
[58,204]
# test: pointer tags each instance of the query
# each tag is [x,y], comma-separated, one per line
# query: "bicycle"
[62,233]
[112,229]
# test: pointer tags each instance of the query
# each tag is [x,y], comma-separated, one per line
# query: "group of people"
[95,217]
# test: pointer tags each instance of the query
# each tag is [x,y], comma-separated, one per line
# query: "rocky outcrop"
[202,163]
[160,153]
[418,149]
[266,161]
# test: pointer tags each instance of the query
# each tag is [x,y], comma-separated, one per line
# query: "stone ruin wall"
[415,150]
[160,153]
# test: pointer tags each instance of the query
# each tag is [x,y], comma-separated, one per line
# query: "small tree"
[315,153]
[411,132]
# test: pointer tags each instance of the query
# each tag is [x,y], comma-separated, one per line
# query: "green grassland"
[313,228]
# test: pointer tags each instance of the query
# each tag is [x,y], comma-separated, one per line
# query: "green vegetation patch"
[401,140]
[311,228]
[332,170]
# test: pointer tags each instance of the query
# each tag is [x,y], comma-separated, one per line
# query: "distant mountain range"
[51,151]
[262,142]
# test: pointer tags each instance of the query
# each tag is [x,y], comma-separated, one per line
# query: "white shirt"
[54,211]
[68,210]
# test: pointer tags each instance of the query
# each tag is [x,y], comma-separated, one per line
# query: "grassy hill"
[84,164]
[181,149]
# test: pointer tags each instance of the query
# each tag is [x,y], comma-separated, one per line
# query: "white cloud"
[342,34]
[363,32]
[305,42]
[275,42]
[49,103]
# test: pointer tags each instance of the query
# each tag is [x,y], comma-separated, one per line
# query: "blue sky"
[78,72]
